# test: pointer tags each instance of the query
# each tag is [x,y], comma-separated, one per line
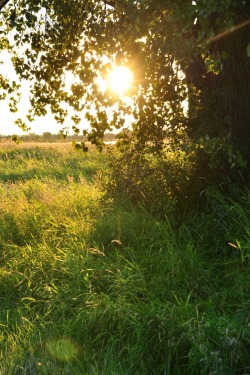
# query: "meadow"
[90,285]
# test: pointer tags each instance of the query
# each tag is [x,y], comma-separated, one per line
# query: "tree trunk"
[234,82]
[223,105]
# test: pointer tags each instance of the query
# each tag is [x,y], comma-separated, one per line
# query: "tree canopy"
[182,51]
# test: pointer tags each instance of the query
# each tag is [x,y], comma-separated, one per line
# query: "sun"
[120,80]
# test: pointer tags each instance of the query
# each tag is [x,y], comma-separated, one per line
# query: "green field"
[172,298]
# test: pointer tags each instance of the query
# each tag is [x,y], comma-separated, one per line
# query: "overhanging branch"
[3,3]
[111,3]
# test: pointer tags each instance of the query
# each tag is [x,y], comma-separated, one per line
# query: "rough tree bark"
[235,86]
[223,108]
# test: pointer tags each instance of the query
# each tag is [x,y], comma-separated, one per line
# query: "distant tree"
[47,136]
[33,137]
[183,50]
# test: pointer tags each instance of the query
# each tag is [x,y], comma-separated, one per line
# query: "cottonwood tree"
[182,51]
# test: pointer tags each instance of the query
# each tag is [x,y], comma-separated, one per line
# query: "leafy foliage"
[160,180]
[189,106]
[174,50]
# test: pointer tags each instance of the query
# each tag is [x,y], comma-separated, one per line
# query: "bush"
[159,180]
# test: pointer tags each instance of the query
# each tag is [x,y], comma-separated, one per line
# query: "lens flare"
[229,31]
[62,349]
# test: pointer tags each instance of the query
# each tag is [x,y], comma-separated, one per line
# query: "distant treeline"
[49,137]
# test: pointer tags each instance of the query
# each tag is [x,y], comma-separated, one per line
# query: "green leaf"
[15,139]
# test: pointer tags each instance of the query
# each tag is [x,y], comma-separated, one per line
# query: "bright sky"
[120,81]
[7,125]
[39,126]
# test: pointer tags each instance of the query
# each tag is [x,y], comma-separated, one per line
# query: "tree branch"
[3,3]
[111,3]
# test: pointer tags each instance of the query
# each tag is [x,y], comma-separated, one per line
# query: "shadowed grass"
[40,162]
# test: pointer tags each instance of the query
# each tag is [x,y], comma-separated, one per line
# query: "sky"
[120,80]
[7,125]
[39,125]
[46,123]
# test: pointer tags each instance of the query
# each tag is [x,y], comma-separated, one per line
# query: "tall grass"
[90,286]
